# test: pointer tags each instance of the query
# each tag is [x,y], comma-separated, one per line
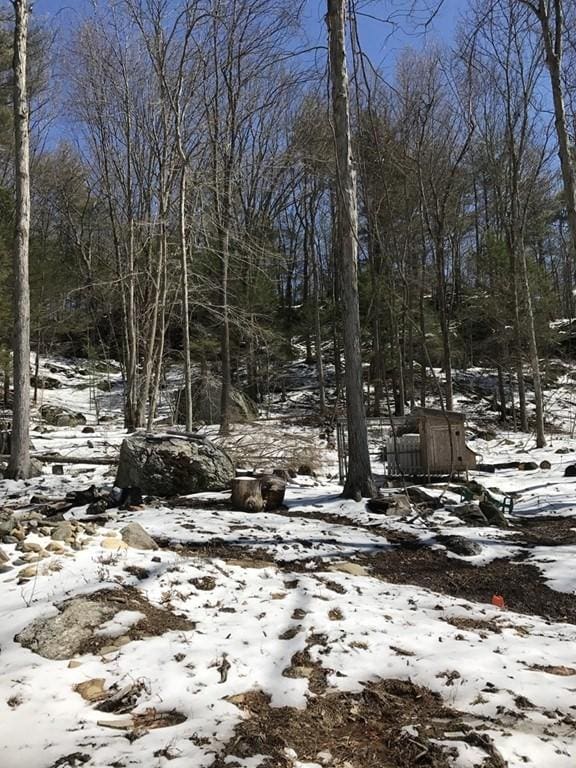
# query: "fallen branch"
[57,458]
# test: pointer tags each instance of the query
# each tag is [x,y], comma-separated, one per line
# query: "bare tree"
[19,465]
[550,14]
[359,480]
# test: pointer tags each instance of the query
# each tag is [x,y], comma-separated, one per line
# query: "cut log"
[272,489]
[254,494]
[247,494]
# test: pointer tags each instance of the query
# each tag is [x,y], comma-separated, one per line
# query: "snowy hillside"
[322,634]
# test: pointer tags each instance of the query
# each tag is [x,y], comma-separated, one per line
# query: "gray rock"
[98,507]
[137,538]
[45,382]
[206,398]
[469,512]
[493,513]
[7,523]
[57,416]
[63,532]
[460,545]
[3,557]
[35,468]
[169,465]
[62,636]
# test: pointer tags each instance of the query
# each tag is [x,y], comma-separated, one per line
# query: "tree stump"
[273,489]
[255,494]
[247,494]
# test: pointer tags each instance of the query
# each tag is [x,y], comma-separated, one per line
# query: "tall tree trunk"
[533,349]
[185,297]
[225,339]
[444,324]
[19,464]
[359,480]
[552,36]
[318,332]
[501,393]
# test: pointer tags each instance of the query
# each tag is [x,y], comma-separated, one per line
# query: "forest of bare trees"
[218,191]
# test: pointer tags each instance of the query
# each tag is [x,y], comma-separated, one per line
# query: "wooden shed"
[429,442]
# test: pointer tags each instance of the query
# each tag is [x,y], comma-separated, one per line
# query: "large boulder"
[206,397]
[45,382]
[57,416]
[170,465]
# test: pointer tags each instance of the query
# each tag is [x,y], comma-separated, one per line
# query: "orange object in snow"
[498,601]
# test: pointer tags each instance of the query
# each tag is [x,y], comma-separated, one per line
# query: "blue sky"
[381,40]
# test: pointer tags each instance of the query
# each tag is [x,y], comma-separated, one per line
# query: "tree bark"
[533,351]
[19,464]
[553,46]
[359,480]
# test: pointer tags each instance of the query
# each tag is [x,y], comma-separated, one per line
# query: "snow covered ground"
[324,590]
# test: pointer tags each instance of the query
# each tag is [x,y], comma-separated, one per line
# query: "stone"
[57,469]
[63,636]
[107,650]
[63,532]
[45,382]
[206,398]
[36,468]
[55,546]
[460,545]
[545,465]
[527,466]
[29,546]
[354,569]
[3,557]
[91,690]
[306,470]
[30,572]
[136,537]
[113,543]
[98,507]
[57,416]
[171,465]
[469,513]
[34,557]
[88,430]
[493,514]
[570,470]
[74,664]
[7,523]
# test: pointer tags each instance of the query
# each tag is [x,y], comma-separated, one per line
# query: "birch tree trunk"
[359,480]
[19,464]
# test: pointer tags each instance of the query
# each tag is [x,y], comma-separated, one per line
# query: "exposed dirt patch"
[475,625]
[546,531]
[156,620]
[151,719]
[410,562]
[218,549]
[520,584]
[369,729]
